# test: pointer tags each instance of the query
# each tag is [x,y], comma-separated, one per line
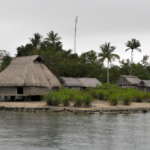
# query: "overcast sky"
[99,21]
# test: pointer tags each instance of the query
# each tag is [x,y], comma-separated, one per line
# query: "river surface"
[37,131]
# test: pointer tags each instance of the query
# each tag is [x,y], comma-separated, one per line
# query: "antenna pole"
[75,35]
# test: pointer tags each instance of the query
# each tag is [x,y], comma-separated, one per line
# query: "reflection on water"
[26,131]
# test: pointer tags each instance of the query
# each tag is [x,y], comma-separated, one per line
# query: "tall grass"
[114,99]
[108,92]
[65,96]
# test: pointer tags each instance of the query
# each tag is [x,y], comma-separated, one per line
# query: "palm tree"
[36,40]
[91,56]
[54,40]
[53,37]
[133,44]
[107,53]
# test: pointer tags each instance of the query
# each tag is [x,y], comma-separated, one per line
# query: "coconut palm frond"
[115,56]
[127,49]
[139,50]
[101,59]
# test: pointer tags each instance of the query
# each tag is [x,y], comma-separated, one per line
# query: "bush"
[52,98]
[107,94]
[98,86]
[79,100]
[93,93]
[100,94]
[127,99]
[87,100]
[147,96]
[88,89]
[139,97]
[65,100]
[114,99]
[108,86]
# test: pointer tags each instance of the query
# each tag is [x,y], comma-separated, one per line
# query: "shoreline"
[101,107]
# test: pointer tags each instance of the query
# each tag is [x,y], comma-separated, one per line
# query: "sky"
[99,21]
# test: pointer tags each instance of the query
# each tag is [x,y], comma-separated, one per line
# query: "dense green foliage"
[66,96]
[63,63]
[5,59]
[108,92]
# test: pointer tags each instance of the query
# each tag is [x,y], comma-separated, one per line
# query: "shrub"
[52,98]
[79,100]
[98,86]
[93,93]
[114,99]
[100,94]
[65,100]
[88,89]
[107,94]
[108,86]
[70,93]
[127,99]
[147,95]
[87,100]
[139,97]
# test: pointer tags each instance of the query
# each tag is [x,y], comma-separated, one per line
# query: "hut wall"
[75,88]
[132,87]
[144,89]
[8,90]
[35,90]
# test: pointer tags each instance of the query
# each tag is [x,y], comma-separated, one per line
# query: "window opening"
[20,90]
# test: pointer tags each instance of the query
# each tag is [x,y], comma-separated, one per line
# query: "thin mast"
[75,35]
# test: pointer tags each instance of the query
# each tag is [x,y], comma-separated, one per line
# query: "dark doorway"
[20,90]
[12,98]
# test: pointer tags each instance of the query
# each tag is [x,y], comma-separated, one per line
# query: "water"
[31,131]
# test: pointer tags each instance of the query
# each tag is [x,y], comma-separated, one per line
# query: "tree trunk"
[131,62]
[108,71]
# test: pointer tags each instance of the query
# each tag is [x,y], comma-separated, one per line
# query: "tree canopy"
[63,62]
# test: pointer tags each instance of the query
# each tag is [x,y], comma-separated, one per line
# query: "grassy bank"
[107,92]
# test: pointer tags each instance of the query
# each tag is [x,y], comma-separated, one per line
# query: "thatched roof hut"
[79,83]
[144,85]
[27,76]
[127,80]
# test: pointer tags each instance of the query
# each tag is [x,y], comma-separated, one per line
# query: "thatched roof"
[86,82]
[28,71]
[69,81]
[144,83]
[79,82]
[126,80]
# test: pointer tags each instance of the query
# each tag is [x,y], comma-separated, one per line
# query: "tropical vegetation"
[89,64]
[107,92]
[133,45]
[107,53]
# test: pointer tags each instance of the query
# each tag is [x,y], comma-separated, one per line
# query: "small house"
[128,81]
[79,83]
[144,85]
[27,77]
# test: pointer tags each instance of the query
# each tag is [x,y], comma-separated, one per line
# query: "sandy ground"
[95,105]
